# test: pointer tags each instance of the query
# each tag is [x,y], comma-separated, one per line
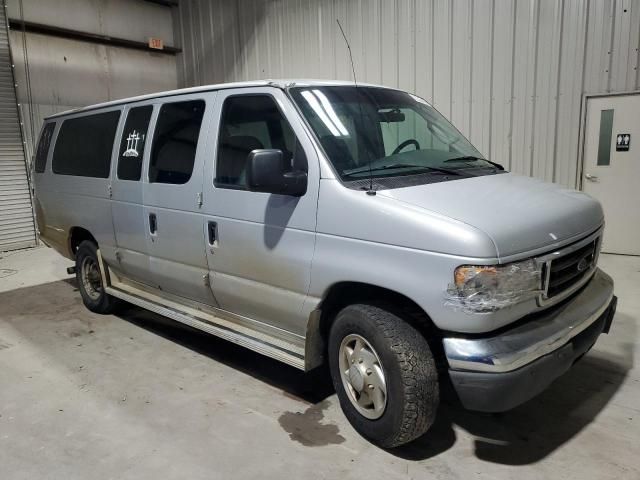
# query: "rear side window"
[134,137]
[175,141]
[251,122]
[85,144]
[43,147]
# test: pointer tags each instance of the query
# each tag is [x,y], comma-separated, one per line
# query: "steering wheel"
[406,143]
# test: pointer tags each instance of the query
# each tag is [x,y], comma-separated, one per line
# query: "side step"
[289,352]
[258,343]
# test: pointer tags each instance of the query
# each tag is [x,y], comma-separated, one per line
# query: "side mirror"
[266,173]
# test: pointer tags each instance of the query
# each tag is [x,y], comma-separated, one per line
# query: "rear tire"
[89,280]
[384,374]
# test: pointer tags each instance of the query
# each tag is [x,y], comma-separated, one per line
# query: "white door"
[611,168]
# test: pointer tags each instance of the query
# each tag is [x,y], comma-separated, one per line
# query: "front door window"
[252,122]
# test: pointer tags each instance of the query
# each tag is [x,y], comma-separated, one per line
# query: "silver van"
[328,222]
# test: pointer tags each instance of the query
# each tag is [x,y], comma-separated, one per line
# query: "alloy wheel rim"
[363,376]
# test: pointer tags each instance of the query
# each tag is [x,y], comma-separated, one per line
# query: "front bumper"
[499,372]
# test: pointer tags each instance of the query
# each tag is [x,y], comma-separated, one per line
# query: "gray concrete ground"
[33,266]
[85,396]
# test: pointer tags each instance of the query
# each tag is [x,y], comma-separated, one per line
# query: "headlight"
[486,288]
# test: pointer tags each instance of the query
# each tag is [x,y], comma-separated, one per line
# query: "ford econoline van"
[328,222]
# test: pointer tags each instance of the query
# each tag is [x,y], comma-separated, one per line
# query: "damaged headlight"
[486,288]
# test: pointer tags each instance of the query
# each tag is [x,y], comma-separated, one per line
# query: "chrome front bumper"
[529,341]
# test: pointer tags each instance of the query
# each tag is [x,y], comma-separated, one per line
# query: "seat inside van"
[175,142]
[175,156]
[234,153]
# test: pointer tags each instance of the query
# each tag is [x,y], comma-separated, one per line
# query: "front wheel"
[384,374]
[90,280]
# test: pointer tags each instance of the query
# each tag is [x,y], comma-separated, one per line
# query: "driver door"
[259,245]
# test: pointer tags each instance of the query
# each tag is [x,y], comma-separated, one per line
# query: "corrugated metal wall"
[509,73]
[69,73]
[17,229]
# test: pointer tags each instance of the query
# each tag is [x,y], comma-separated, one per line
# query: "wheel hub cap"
[356,379]
[363,377]
[90,276]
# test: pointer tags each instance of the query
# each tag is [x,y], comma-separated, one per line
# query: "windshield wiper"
[402,165]
[465,158]
[471,158]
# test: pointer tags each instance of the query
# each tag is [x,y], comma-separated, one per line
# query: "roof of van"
[280,83]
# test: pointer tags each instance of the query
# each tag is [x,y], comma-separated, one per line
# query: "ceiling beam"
[166,3]
[33,27]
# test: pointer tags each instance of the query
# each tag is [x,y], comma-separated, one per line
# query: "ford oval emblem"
[583,265]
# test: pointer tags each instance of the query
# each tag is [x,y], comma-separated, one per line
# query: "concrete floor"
[85,396]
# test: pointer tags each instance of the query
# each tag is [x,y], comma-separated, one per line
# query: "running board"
[260,342]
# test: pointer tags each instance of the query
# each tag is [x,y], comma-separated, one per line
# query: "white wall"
[67,73]
[509,73]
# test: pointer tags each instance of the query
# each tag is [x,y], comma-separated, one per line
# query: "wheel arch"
[344,293]
[77,235]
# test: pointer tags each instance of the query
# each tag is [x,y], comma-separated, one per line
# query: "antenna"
[371,191]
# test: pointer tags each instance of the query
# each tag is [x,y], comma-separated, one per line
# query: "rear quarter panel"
[67,201]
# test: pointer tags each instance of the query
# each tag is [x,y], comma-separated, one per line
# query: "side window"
[134,137]
[43,147]
[84,145]
[251,122]
[174,142]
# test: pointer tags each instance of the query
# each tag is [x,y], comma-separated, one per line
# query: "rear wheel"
[89,279]
[384,374]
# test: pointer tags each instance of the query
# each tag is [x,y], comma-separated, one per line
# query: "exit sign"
[156,43]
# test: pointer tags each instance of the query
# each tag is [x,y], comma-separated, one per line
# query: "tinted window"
[132,143]
[604,141]
[43,147]
[251,122]
[84,145]
[175,141]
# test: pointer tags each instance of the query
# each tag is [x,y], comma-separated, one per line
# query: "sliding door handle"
[153,224]
[212,233]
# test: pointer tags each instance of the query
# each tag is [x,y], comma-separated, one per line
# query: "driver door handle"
[153,224]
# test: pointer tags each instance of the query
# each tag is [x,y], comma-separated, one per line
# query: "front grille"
[566,271]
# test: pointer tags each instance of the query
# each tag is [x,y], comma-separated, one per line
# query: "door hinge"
[199,199]
[206,280]
[110,191]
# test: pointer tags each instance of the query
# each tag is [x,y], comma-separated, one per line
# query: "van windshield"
[379,132]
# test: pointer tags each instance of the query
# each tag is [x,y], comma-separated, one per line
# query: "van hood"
[518,213]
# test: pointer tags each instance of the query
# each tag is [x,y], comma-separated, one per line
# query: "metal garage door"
[16,216]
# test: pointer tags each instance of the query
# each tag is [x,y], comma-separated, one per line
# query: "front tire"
[89,280]
[384,374]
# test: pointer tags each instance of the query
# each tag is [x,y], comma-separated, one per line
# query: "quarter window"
[175,140]
[43,147]
[132,143]
[251,122]
[85,144]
